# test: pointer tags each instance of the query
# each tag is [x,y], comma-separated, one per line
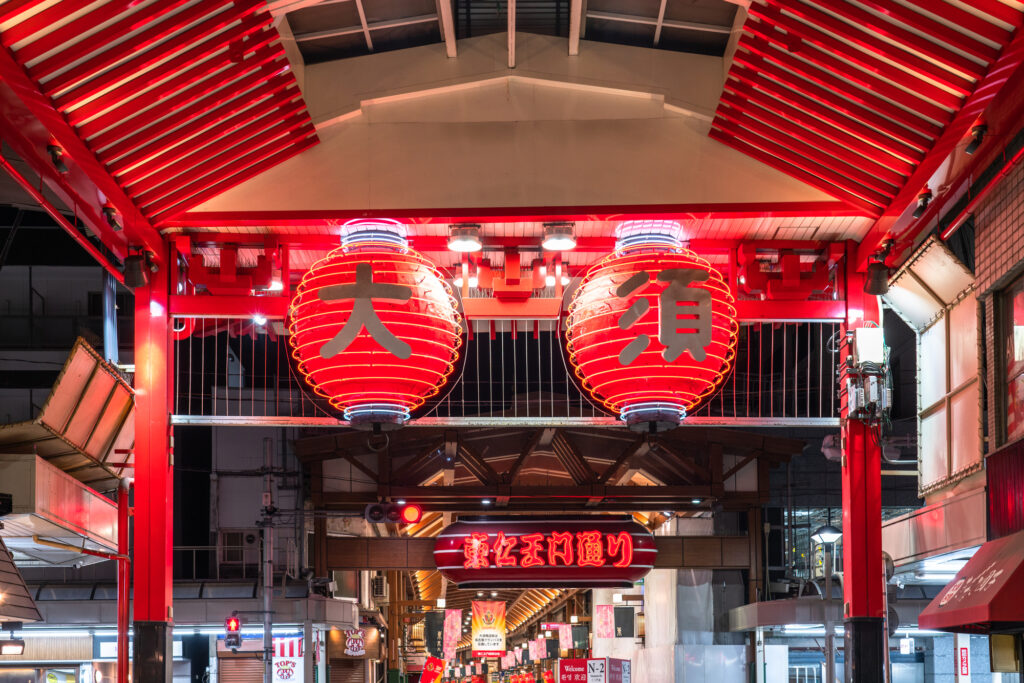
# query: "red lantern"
[373,327]
[651,330]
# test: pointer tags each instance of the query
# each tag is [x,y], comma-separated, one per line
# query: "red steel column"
[154,482]
[863,587]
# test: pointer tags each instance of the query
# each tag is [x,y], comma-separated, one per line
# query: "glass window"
[1013,338]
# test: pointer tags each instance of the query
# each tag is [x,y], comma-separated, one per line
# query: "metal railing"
[231,562]
[230,371]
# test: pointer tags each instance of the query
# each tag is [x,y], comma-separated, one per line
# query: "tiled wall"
[999,245]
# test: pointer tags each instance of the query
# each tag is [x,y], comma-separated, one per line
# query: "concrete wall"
[411,129]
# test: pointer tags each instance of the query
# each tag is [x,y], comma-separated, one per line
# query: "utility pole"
[267,522]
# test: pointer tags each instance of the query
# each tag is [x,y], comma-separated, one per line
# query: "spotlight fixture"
[977,136]
[479,594]
[923,200]
[57,158]
[877,281]
[464,237]
[558,237]
[110,214]
[259,319]
[14,646]
[136,272]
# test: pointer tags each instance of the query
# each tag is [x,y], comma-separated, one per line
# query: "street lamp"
[826,537]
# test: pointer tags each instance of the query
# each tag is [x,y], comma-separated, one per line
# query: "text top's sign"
[565,552]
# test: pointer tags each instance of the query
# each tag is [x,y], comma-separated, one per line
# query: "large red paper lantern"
[651,331]
[373,326]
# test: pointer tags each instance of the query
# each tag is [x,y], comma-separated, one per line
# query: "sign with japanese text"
[619,671]
[433,669]
[965,661]
[452,632]
[488,628]
[530,552]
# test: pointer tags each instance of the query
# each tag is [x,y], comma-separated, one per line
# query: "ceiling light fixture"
[876,282]
[558,237]
[977,137]
[464,237]
[923,200]
[56,153]
[110,214]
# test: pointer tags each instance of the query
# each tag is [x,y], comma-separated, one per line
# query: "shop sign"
[354,643]
[488,628]
[619,670]
[594,670]
[530,552]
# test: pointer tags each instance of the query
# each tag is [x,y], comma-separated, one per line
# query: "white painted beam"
[661,22]
[362,22]
[651,21]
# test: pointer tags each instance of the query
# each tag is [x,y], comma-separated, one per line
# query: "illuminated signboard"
[532,552]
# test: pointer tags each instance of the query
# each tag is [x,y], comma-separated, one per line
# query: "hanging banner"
[433,633]
[519,655]
[532,552]
[565,636]
[433,669]
[580,637]
[452,632]
[287,660]
[488,628]
[624,620]
[604,621]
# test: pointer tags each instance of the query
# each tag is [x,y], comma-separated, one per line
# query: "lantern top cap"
[644,233]
[363,230]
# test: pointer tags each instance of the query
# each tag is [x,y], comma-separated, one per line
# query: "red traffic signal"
[232,636]
[411,514]
[393,513]
[232,624]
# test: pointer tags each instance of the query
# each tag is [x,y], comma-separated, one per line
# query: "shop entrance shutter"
[240,670]
[348,671]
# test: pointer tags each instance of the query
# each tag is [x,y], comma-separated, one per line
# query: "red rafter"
[863,99]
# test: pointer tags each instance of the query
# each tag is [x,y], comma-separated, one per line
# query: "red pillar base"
[153,656]
[864,650]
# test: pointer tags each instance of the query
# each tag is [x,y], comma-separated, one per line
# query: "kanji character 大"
[362,292]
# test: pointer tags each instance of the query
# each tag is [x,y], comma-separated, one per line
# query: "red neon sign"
[532,552]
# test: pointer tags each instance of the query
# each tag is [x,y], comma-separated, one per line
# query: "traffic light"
[232,632]
[393,513]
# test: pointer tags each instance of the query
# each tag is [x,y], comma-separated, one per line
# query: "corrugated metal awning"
[16,603]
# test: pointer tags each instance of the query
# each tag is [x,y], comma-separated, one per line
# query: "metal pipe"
[268,560]
[110,318]
[61,220]
[124,578]
[830,645]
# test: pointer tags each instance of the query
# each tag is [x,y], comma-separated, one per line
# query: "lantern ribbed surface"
[366,381]
[647,387]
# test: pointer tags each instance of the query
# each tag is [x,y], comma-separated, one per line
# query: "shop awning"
[987,595]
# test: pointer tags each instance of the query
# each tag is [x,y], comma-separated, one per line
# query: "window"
[1013,339]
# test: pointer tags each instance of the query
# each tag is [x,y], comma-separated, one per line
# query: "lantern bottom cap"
[377,416]
[653,416]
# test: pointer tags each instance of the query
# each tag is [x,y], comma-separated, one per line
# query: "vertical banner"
[452,632]
[519,655]
[287,660]
[433,669]
[488,628]
[433,633]
[604,621]
[580,637]
[565,636]
[624,620]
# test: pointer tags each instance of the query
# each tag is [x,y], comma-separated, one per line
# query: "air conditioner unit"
[379,588]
